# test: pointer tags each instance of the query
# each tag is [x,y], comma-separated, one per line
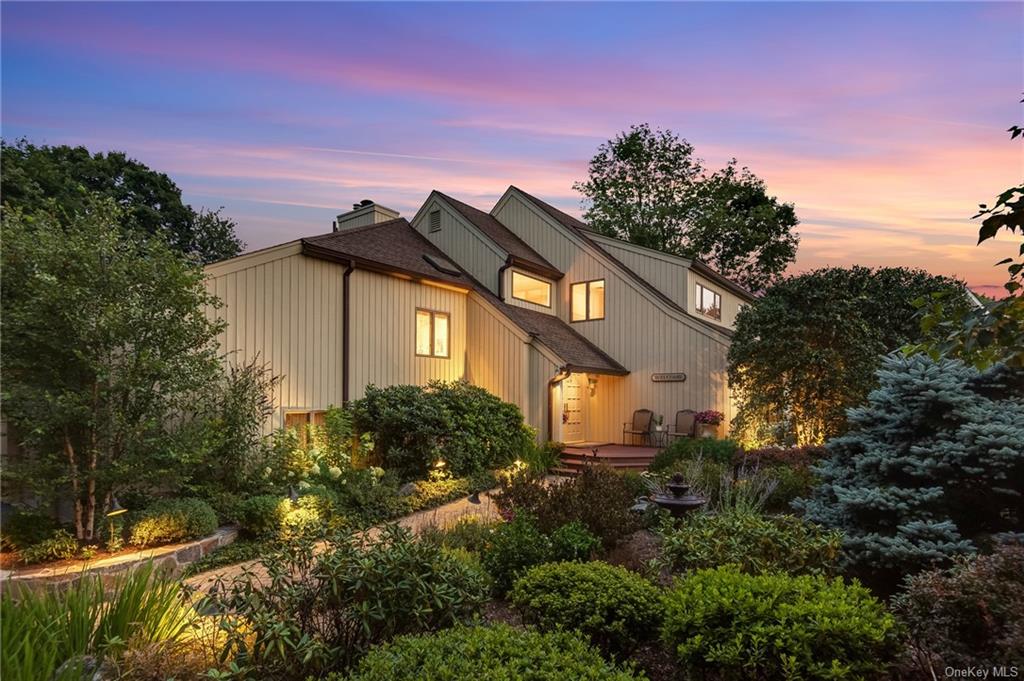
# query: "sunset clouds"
[884,123]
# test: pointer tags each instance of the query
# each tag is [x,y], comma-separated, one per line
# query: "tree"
[63,180]
[932,467]
[807,350]
[992,331]
[647,187]
[105,342]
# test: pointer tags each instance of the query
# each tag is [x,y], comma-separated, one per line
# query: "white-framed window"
[709,303]
[433,330]
[531,290]
[587,300]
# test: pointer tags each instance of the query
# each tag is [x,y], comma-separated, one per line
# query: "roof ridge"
[364,228]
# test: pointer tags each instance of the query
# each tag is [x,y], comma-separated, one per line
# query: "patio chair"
[686,423]
[640,426]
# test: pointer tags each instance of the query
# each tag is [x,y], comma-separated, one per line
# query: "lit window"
[587,300]
[709,303]
[531,290]
[432,331]
[300,421]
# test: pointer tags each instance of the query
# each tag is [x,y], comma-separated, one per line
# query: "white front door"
[573,403]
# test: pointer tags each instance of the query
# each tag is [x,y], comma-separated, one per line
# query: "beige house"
[576,328]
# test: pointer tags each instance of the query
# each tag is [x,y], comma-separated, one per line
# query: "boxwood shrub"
[778,626]
[615,608]
[756,543]
[513,547]
[172,520]
[488,652]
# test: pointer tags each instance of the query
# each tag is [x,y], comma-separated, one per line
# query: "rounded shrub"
[514,546]
[573,541]
[612,606]
[756,543]
[488,652]
[173,520]
[778,626]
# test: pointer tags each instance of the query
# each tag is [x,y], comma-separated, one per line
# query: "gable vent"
[435,221]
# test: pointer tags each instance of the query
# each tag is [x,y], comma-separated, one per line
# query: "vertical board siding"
[637,331]
[463,245]
[287,312]
[383,332]
[668,277]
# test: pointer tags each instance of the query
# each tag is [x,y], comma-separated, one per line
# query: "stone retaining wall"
[171,559]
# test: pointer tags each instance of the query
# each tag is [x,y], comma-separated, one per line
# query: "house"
[576,328]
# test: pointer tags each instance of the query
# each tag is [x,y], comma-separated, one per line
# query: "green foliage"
[316,612]
[468,533]
[237,551]
[539,459]
[777,626]
[573,541]
[464,425]
[488,652]
[720,451]
[47,628]
[514,546]
[615,608]
[807,350]
[599,498]
[933,465]
[753,542]
[21,529]
[260,516]
[93,377]
[968,616]
[58,546]
[647,187]
[61,179]
[271,518]
[172,520]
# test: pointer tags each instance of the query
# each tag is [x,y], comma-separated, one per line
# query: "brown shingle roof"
[504,237]
[582,229]
[393,245]
[575,350]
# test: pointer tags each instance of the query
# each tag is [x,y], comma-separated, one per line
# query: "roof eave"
[319,252]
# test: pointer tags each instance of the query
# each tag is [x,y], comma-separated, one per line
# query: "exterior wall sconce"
[592,384]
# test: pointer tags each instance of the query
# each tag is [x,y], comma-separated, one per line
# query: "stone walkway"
[441,516]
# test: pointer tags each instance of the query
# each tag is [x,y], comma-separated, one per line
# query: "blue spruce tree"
[932,466]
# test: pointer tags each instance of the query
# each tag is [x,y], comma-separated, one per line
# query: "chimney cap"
[362,204]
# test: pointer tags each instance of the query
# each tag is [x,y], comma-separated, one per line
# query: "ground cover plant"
[488,652]
[777,626]
[318,612]
[615,608]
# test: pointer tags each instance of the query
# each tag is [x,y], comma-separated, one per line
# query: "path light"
[439,464]
[474,498]
[116,509]
[292,494]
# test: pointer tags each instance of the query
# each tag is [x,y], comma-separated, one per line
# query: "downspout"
[501,278]
[345,326]
[563,373]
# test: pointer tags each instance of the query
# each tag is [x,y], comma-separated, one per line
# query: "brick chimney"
[364,213]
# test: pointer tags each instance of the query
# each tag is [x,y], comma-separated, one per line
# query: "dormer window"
[709,303]
[531,290]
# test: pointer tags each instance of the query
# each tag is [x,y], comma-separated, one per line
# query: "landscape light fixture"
[292,494]
[474,498]
[115,508]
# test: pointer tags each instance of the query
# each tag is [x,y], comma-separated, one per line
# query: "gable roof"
[581,229]
[392,246]
[396,247]
[518,250]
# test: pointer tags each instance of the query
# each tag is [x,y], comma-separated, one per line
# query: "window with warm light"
[432,333]
[587,300]
[709,303]
[531,290]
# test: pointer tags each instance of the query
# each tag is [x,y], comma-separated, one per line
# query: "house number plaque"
[678,377]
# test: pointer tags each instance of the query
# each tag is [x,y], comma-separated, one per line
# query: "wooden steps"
[622,457]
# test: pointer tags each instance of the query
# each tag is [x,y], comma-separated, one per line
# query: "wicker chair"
[685,425]
[640,426]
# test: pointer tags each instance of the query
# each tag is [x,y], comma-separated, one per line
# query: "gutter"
[345,327]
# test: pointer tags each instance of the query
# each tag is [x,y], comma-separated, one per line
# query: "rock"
[408,489]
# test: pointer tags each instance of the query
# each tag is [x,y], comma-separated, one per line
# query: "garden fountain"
[678,501]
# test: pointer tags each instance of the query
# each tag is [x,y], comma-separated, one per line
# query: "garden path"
[440,516]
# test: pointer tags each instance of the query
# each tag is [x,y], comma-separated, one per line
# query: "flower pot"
[709,430]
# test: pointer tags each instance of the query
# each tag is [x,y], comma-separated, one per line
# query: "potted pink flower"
[709,421]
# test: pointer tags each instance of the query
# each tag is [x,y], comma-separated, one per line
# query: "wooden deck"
[623,457]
